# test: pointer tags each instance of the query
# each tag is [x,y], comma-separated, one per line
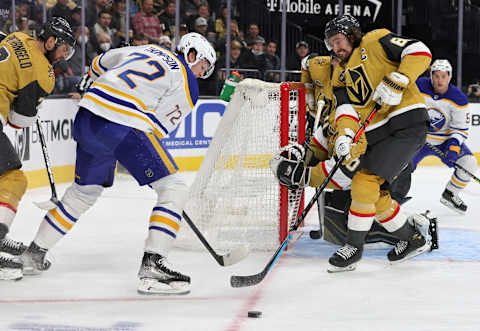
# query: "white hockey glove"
[345,147]
[390,90]
[288,166]
[85,83]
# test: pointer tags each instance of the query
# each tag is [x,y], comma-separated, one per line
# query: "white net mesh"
[235,199]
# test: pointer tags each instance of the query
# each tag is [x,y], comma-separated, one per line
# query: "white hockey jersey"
[449,113]
[144,87]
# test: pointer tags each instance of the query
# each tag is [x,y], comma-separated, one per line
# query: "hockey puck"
[315,234]
[254,314]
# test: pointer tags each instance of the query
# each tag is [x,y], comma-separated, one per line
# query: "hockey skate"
[453,202]
[344,259]
[12,247]
[405,250]
[10,268]
[35,260]
[157,278]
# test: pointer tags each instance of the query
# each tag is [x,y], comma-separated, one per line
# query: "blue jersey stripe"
[168,211]
[53,225]
[126,104]
[170,233]
[100,63]
[60,205]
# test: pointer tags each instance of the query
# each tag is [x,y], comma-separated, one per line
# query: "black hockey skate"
[157,278]
[12,247]
[405,250]
[10,268]
[35,260]
[453,202]
[344,259]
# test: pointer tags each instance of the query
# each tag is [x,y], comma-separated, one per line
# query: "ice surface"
[92,283]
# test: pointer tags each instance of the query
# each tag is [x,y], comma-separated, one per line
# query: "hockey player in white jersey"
[137,96]
[449,113]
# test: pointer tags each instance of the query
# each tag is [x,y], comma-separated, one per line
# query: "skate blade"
[450,205]
[154,286]
[421,250]
[10,274]
[334,269]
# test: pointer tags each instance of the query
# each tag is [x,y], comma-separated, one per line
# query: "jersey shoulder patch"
[4,54]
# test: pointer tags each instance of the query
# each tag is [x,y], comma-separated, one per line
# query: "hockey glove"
[84,83]
[390,90]
[453,151]
[351,151]
[288,166]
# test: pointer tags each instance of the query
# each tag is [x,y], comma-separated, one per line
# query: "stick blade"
[244,281]
[235,256]
[46,205]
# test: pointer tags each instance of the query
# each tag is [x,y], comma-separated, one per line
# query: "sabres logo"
[437,119]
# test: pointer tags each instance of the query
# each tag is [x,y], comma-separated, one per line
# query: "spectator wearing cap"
[139,39]
[201,26]
[273,62]
[147,23]
[204,12]
[301,50]
[258,51]
[166,42]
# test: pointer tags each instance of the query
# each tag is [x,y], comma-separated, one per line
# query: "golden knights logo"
[358,86]
[21,143]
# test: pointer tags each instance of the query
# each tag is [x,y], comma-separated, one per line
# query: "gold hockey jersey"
[26,78]
[381,52]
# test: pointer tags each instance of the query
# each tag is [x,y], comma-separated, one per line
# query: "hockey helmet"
[347,25]
[196,42]
[58,28]
[441,65]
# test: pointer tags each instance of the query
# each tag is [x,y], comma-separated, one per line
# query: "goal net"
[235,199]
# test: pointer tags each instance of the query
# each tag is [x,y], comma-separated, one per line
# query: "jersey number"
[124,75]
[400,42]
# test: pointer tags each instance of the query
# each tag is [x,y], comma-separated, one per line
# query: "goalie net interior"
[235,199]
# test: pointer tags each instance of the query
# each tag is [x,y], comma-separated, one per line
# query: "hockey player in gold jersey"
[379,67]
[27,77]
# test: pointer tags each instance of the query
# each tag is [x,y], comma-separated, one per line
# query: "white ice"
[92,283]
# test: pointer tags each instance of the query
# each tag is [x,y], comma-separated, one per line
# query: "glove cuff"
[396,81]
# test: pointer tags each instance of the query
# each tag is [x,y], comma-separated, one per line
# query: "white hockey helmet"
[441,65]
[203,48]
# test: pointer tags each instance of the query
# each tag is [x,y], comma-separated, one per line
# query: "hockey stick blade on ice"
[250,280]
[439,152]
[53,202]
[228,259]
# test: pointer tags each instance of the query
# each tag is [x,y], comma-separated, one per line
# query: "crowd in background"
[153,21]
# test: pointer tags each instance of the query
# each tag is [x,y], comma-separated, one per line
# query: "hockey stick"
[242,281]
[228,259]
[53,202]
[456,165]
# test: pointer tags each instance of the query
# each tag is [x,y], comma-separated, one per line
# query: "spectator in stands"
[204,12]
[65,81]
[221,24]
[473,92]
[76,61]
[273,62]
[5,8]
[168,18]
[239,59]
[93,10]
[159,7]
[259,54]
[104,42]
[166,42]
[201,26]
[76,17]
[253,32]
[191,8]
[183,30]
[147,23]
[119,19]
[234,35]
[61,9]
[103,25]
[139,39]
[301,50]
